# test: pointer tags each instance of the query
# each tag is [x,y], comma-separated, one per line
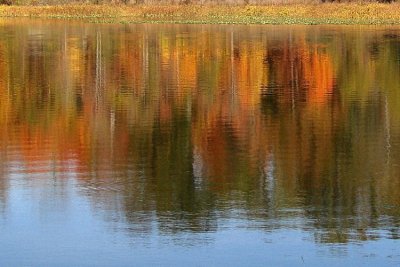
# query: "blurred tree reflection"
[188,125]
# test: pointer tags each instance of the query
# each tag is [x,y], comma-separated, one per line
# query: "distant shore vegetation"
[210,12]
[184,2]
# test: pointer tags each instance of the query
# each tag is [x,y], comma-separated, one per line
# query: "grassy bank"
[348,13]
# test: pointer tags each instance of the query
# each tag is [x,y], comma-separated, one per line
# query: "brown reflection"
[187,125]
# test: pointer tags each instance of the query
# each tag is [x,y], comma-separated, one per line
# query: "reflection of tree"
[186,125]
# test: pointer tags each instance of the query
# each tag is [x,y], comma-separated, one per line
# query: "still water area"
[198,145]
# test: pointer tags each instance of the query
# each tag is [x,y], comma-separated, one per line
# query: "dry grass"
[347,13]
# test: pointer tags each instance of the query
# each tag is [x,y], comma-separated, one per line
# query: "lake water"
[199,145]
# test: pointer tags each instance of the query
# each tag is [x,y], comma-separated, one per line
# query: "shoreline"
[301,14]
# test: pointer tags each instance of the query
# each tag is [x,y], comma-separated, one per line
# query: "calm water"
[132,145]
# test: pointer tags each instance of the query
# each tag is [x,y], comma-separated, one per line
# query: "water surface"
[130,145]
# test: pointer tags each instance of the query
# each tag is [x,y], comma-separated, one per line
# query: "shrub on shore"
[6,2]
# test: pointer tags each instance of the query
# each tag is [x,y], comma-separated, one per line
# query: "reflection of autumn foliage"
[234,110]
[174,117]
[318,74]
